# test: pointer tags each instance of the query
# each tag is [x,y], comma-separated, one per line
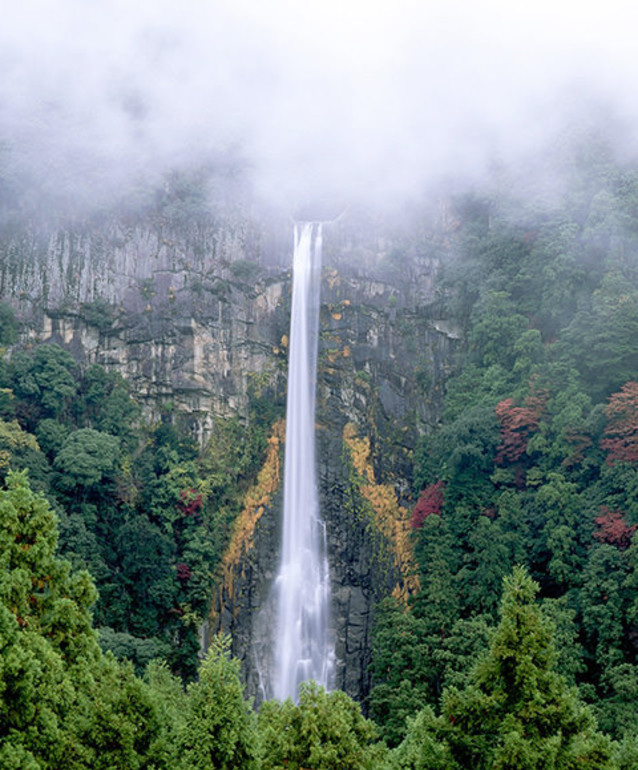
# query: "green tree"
[45,632]
[437,602]
[44,382]
[475,386]
[51,435]
[485,563]
[616,711]
[602,598]
[459,651]
[496,328]
[170,697]
[401,668]
[422,749]
[324,731]
[219,731]
[517,713]
[601,339]
[116,720]
[19,450]
[145,557]
[139,651]
[62,703]
[86,458]
[561,521]
[107,403]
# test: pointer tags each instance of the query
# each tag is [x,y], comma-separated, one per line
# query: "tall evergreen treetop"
[517,713]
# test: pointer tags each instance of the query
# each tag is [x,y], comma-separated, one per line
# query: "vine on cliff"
[391,519]
[256,501]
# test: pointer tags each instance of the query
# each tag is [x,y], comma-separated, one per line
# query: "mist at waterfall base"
[303,648]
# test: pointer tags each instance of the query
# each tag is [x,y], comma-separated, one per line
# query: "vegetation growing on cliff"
[140,506]
[530,477]
[534,461]
[386,515]
[64,703]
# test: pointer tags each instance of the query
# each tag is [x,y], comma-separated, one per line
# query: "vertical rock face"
[382,361]
[188,310]
[183,311]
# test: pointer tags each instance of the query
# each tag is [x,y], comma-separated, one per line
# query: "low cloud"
[357,100]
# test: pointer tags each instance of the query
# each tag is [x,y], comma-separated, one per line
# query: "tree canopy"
[517,712]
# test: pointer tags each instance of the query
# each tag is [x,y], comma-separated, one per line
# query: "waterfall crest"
[303,646]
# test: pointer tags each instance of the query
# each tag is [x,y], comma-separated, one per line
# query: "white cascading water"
[303,646]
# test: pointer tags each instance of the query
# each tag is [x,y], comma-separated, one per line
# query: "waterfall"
[303,647]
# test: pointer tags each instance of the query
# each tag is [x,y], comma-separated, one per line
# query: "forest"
[519,649]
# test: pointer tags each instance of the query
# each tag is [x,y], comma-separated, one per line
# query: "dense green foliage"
[323,731]
[516,712]
[219,727]
[531,477]
[63,702]
[66,704]
[536,459]
[141,506]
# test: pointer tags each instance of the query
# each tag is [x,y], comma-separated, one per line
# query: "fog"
[353,100]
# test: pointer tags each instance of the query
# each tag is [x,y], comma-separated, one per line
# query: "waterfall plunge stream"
[303,646]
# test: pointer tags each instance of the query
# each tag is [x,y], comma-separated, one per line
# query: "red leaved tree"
[517,425]
[613,529]
[183,573]
[430,502]
[621,433]
[190,503]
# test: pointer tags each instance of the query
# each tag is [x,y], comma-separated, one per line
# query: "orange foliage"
[392,520]
[257,499]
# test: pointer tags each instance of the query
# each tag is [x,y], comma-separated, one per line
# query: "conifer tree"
[323,731]
[219,731]
[517,713]
[45,631]
[63,704]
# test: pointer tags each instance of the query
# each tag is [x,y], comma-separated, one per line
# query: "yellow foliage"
[13,439]
[333,353]
[5,458]
[12,435]
[257,499]
[392,519]
[332,277]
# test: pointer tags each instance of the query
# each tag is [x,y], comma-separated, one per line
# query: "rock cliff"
[188,308]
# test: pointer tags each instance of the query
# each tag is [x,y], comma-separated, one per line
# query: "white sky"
[325,97]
